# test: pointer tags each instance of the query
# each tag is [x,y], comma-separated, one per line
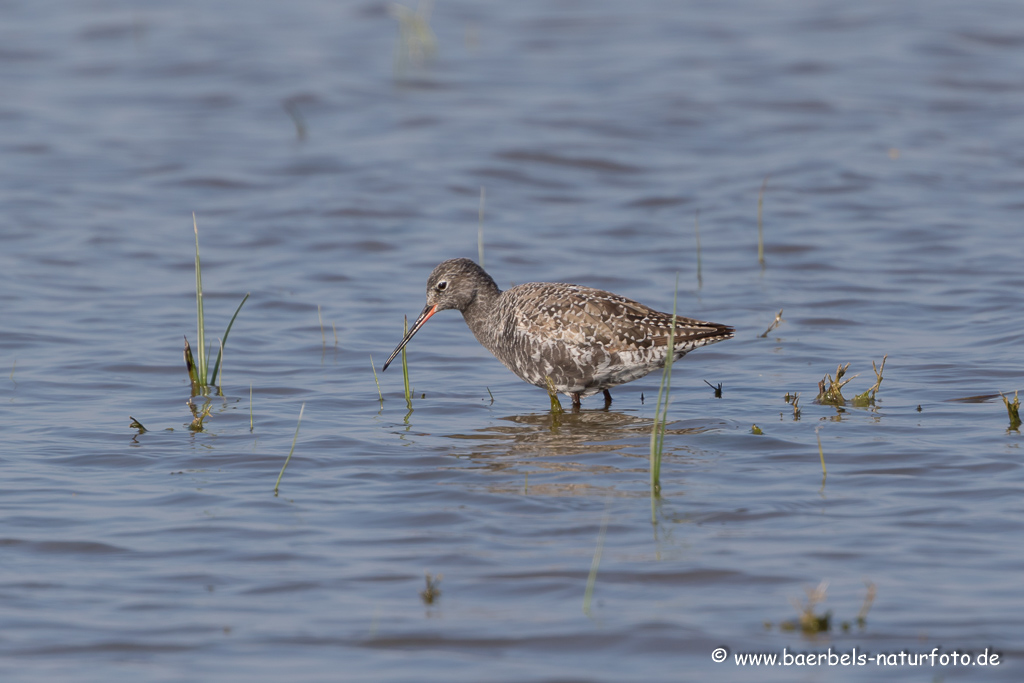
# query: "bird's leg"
[607,398]
[575,399]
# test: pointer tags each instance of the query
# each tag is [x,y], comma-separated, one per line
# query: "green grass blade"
[289,458]
[588,593]
[190,365]
[216,366]
[405,368]
[376,381]
[661,409]
[821,454]
[200,323]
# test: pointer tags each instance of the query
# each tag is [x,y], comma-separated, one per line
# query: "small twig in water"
[775,323]
[319,317]
[717,388]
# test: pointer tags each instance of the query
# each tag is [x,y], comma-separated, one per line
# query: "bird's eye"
[442,285]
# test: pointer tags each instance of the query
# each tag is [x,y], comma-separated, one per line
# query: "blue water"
[890,137]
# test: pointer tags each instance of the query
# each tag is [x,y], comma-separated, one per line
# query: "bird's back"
[585,339]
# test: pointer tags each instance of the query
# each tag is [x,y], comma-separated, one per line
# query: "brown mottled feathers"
[584,316]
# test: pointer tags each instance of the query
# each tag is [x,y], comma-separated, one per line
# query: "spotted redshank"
[583,340]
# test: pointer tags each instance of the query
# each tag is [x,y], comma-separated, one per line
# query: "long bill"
[424,316]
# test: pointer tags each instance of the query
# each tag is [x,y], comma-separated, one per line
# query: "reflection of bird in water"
[536,439]
[580,340]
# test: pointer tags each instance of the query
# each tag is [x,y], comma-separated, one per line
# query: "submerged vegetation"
[830,391]
[588,592]
[1013,409]
[868,397]
[811,622]
[198,414]
[433,589]
[198,365]
[556,405]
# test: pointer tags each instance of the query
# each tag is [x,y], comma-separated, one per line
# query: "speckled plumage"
[586,340]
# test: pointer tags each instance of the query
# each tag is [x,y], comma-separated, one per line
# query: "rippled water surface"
[331,165]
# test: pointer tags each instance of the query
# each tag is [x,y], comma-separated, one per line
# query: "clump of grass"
[661,409]
[868,397]
[756,431]
[433,591]
[135,424]
[808,620]
[862,615]
[1013,409]
[198,366]
[405,367]
[794,401]
[289,458]
[775,323]
[830,391]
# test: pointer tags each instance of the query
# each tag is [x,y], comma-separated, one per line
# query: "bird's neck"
[480,311]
